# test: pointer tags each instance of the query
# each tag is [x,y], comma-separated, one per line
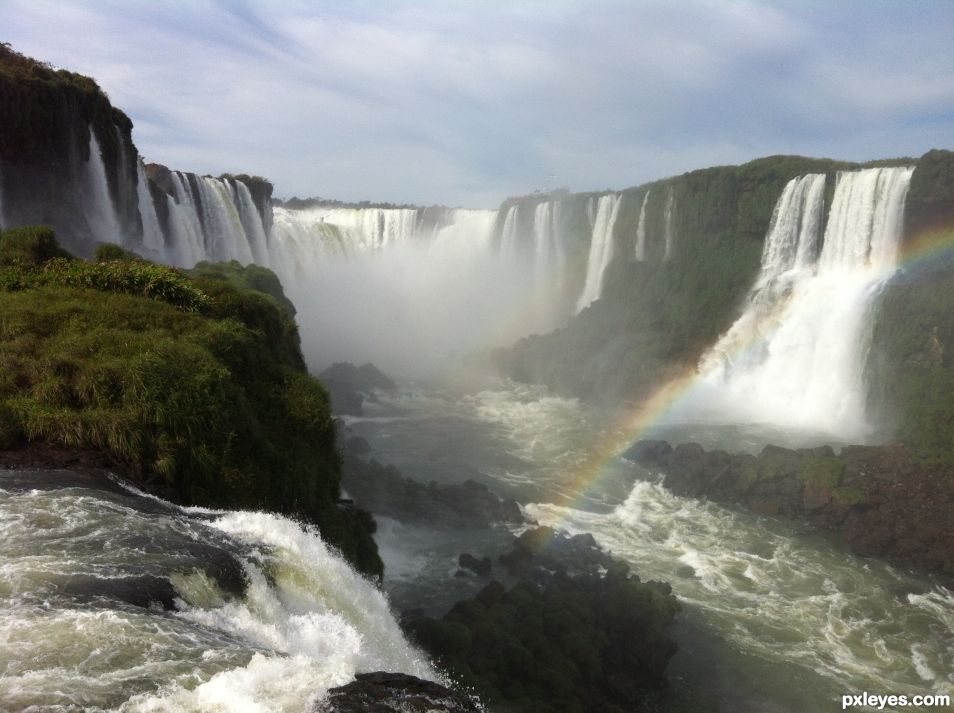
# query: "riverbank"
[879,501]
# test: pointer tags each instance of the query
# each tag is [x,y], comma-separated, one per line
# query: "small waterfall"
[152,237]
[213,219]
[641,229]
[184,224]
[601,249]
[508,235]
[794,357]
[252,223]
[668,224]
[225,237]
[100,212]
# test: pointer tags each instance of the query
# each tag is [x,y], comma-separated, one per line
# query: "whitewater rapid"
[774,618]
[71,555]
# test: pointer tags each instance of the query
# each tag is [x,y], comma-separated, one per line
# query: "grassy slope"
[195,382]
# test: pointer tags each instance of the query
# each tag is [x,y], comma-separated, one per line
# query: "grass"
[193,381]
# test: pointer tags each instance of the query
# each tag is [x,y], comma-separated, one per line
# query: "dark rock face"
[543,551]
[480,567]
[879,500]
[384,491]
[382,692]
[593,642]
[350,385]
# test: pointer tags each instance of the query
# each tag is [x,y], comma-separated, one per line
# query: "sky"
[466,103]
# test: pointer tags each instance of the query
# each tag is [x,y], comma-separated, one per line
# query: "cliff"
[193,384]
[910,370]
[67,159]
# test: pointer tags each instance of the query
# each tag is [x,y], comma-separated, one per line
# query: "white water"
[601,249]
[668,229]
[794,620]
[794,358]
[152,238]
[641,230]
[380,287]
[508,235]
[307,622]
[100,211]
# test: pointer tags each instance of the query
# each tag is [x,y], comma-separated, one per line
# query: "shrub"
[29,246]
[205,393]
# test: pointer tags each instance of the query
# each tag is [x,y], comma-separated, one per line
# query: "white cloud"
[464,103]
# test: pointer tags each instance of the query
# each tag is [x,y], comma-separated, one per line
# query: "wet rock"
[383,490]
[480,567]
[350,386]
[145,591]
[880,500]
[545,550]
[382,692]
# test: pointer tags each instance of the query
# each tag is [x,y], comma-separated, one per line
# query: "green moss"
[198,383]
[848,495]
[109,252]
[821,470]
[29,246]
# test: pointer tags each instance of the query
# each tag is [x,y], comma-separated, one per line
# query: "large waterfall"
[459,280]
[794,357]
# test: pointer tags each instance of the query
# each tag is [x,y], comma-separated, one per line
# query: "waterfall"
[100,212]
[795,355]
[252,222]
[667,225]
[508,235]
[601,249]
[305,621]
[152,238]
[641,229]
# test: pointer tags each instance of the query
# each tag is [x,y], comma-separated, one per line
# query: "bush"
[581,643]
[29,246]
[108,252]
[203,393]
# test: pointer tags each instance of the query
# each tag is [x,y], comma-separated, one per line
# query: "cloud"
[465,103]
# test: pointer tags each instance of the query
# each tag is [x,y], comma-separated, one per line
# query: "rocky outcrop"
[383,490]
[579,632]
[543,551]
[879,500]
[350,386]
[382,692]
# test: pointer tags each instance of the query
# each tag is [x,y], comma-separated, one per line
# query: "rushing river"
[111,600]
[774,618]
[87,566]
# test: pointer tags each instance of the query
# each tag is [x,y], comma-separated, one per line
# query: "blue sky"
[464,103]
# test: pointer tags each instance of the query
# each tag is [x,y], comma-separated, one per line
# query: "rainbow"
[633,422]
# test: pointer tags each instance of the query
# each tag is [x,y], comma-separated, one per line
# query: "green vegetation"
[657,317]
[574,645]
[195,382]
[47,113]
[910,370]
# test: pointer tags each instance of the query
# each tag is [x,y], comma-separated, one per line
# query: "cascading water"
[82,562]
[152,238]
[668,228]
[641,230]
[508,235]
[601,249]
[794,358]
[100,211]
